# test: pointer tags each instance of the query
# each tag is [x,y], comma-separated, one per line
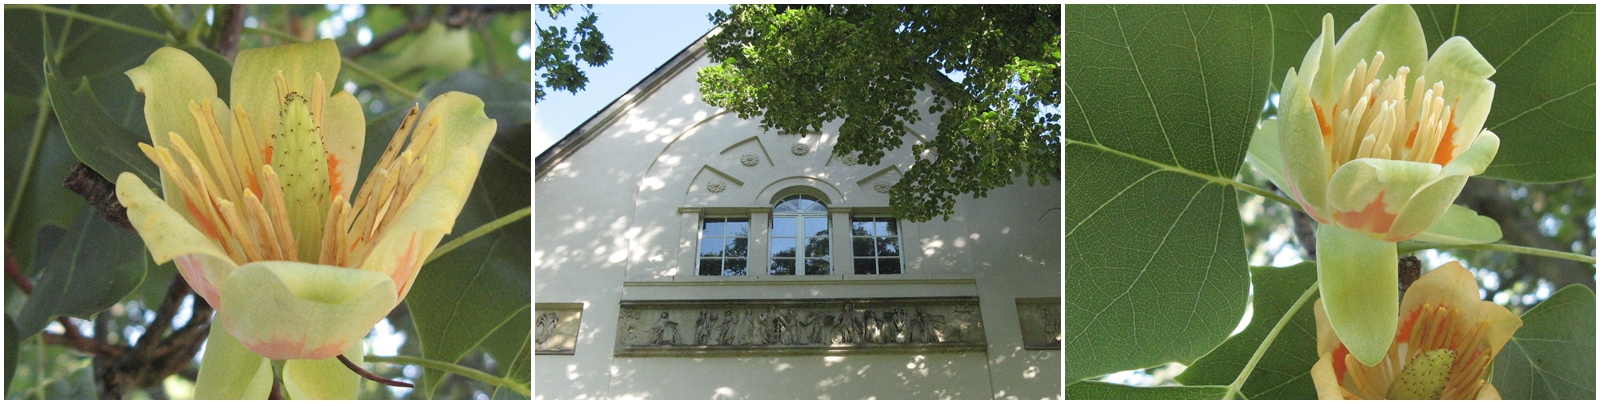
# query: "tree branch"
[417,24]
[370,376]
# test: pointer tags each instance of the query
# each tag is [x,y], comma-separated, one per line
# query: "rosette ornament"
[262,216]
[1445,346]
[1374,138]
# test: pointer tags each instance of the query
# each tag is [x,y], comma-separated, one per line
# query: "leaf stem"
[479,232]
[97,20]
[1273,335]
[39,127]
[1410,247]
[467,372]
[1208,177]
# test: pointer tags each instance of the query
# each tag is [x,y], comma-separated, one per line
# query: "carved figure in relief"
[896,328]
[810,329]
[1050,317]
[702,328]
[874,327]
[963,328]
[725,330]
[629,333]
[784,323]
[545,327]
[665,332]
[757,328]
[927,327]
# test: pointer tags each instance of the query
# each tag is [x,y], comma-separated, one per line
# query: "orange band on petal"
[1375,218]
[1447,144]
[335,181]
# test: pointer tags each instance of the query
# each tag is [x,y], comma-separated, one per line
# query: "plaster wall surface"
[617,219]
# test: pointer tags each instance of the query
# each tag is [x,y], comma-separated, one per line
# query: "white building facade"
[681,252]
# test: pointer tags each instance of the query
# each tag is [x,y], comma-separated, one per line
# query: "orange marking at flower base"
[205,224]
[266,154]
[403,269]
[1322,122]
[1447,147]
[1375,218]
[1338,361]
[1405,326]
[290,347]
[334,179]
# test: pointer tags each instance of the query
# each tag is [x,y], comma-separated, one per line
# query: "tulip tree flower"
[262,214]
[1445,347]
[1374,139]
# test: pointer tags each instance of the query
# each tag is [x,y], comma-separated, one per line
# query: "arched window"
[799,241]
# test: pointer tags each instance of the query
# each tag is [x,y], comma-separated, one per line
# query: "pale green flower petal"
[1317,68]
[1360,290]
[170,80]
[1304,157]
[323,379]
[1265,153]
[1465,74]
[1461,226]
[294,310]
[229,371]
[169,236]
[344,134]
[1368,195]
[255,89]
[1390,28]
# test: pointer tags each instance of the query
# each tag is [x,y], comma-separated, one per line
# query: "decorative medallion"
[800,149]
[882,186]
[749,160]
[848,159]
[762,327]
[556,330]
[1040,318]
[716,186]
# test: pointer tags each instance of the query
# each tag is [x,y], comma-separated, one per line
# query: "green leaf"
[1087,390]
[13,338]
[1161,102]
[96,139]
[96,267]
[1284,371]
[1552,355]
[512,349]
[1544,98]
[462,297]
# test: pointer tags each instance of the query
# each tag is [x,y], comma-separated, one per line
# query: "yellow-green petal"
[294,310]
[169,236]
[1461,226]
[450,166]
[1264,153]
[344,133]
[1465,74]
[254,87]
[323,379]
[1390,28]
[229,371]
[1430,202]
[170,79]
[1306,164]
[1360,290]
[1317,68]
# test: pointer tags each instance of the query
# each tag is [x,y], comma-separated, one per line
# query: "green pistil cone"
[1425,377]
[302,166]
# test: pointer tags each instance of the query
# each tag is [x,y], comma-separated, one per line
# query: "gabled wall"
[617,216]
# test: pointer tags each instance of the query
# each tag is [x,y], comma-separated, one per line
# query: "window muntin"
[724,246]
[799,238]
[875,245]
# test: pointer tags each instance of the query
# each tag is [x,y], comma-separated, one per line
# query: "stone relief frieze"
[555,328]
[1040,319]
[799,325]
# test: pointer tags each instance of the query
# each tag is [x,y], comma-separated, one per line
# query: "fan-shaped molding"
[751,146]
[879,181]
[824,191]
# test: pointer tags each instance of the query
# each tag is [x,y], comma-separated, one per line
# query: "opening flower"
[263,217]
[1446,345]
[1374,140]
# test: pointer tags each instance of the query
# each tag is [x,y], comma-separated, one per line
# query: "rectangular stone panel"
[756,327]
[555,328]
[1040,320]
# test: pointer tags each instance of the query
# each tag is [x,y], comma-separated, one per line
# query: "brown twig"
[71,338]
[99,192]
[369,376]
[14,273]
[416,24]
[232,23]
[276,394]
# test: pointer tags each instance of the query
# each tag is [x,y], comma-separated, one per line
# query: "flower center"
[270,198]
[1425,377]
[1371,117]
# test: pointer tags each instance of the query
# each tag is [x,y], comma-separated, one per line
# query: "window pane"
[862,246]
[711,228]
[817,247]
[880,227]
[737,247]
[893,227]
[888,246]
[887,266]
[782,267]
[783,226]
[816,226]
[736,227]
[860,228]
[734,267]
[711,247]
[787,206]
[783,247]
[817,267]
[711,267]
[866,266]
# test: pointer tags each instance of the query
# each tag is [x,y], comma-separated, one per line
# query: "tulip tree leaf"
[512,348]
[1552,355]
[1284,371]
[13,338]
[467,294]
[1160,106]
[1544,99]
[96,139]
[98,264]
[1087,390]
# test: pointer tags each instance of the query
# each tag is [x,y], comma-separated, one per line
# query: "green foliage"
[804,66]
[1552,355]
[1155,261]
[1284,371]
[95,267]
[559,51]
[1087,390]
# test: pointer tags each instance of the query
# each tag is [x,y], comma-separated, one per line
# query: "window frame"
[700,239]
[801,237]
[894,231]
